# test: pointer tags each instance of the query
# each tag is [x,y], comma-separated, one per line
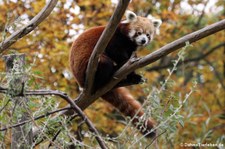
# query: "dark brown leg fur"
[104,72]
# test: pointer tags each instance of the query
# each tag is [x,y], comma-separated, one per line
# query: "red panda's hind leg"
[105,70]
[122,99]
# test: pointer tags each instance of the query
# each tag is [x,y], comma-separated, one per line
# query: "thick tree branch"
[165,50]
[40,17]
[202,56]
[103,42]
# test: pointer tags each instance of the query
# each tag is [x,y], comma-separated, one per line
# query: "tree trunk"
[21,136]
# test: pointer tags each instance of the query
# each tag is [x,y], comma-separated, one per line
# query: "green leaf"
[181,122]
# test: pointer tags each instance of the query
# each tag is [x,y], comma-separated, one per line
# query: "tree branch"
[202,56]
[36,118]
[165,50]
[202,14]
[40,17]
[73,106]
[102,43]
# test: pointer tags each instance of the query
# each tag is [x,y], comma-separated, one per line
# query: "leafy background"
[47,50]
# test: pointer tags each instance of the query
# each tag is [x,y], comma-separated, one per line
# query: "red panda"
[134,32]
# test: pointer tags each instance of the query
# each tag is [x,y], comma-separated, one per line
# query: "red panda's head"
[141,30]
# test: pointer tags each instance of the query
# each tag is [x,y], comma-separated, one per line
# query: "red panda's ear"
[130,16]
[156,23]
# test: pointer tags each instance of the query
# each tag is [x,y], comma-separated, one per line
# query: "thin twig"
[36,118]
[4,106]
[54,138]
[202,14]
[155,139]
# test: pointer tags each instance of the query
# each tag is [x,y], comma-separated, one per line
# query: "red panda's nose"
[143,41]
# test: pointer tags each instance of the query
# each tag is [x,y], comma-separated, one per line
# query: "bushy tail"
[125,102]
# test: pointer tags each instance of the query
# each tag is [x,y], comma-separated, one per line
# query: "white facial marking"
[131,33]
[151,37]
[157,31]
[142,40]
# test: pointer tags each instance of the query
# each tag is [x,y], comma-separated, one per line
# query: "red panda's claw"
[143,80]
[134,59]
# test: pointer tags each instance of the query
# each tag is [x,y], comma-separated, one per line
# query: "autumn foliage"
[189,85]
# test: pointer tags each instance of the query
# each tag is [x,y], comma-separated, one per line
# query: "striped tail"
[125,102]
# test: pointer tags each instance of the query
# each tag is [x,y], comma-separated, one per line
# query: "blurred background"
[201,66]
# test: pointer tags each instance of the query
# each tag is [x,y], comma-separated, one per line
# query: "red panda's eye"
[138,33]
[148,35]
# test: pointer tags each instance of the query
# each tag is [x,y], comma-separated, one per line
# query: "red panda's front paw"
[138,79]
[134,59]
[135,78]
[143,80]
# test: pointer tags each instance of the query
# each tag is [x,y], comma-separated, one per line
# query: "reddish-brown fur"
[117,52]
[122,99]
[81,51]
